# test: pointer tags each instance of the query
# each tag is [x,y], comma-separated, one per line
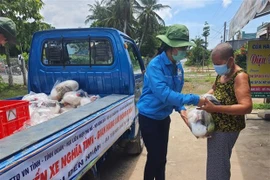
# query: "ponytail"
[163,47]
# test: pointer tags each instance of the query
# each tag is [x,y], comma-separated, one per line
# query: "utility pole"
[224,36]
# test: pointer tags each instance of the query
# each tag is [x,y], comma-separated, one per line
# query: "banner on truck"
[73,154]
[258,68]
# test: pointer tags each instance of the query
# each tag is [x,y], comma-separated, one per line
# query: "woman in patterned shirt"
[232,89]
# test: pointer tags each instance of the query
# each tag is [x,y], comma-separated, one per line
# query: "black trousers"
[155,135]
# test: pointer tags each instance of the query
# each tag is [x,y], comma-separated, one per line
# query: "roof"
[249,9]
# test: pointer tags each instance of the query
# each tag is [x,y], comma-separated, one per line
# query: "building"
[263,31]
[248,35]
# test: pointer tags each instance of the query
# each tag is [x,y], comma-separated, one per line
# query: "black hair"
[163,47]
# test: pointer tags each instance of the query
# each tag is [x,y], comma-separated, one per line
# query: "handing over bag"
[201,122]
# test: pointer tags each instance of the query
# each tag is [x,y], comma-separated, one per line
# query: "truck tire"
[135,146]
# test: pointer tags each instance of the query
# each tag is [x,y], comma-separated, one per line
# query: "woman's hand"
[208,106]
[183,114]
[201,102]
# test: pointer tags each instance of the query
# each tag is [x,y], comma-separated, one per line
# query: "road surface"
[187,156]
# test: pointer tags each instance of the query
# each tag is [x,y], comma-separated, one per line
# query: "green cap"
[8,29]
[176,36]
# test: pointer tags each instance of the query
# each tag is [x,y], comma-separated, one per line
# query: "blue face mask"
[222,69]
[180,55]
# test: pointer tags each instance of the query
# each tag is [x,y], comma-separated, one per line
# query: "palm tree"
[121,15]
[198,41]
[98,13]
[148,18]
[197,53]
[113,13]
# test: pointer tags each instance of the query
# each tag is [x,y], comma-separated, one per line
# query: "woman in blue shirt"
[161,94]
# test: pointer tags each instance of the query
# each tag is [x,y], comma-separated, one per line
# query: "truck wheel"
[135,146]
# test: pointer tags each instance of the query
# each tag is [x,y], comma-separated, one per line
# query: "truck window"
[77,52]
[133,56]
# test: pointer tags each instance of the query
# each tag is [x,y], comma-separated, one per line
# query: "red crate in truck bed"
[13,114]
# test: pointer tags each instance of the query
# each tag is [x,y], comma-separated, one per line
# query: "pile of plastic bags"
[63,97]
[200,121]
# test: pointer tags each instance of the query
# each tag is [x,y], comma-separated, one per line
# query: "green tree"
[150,46]
[120,14]
[196,54]
[115,13]
[240,56]
[148,18]
[26,16]
[98,12]
[206,33]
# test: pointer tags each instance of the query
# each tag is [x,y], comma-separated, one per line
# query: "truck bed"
[29,137]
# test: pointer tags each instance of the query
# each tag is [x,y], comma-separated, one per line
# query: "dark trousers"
[219,151]
[155,135]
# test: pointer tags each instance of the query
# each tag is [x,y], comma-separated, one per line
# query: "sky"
[192,13]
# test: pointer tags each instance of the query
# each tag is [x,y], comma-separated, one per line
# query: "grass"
[261,106]
[197,86]
[198,83]
[201,85]
[9,92]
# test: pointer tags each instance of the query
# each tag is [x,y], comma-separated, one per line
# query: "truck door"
[138,67]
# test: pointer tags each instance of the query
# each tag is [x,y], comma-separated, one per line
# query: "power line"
[214,15]
[215,30]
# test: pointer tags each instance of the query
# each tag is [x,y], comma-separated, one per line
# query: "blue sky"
[192,13]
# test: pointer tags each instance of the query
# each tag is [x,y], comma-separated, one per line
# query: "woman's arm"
[243,96]
[211,91]
[160,89]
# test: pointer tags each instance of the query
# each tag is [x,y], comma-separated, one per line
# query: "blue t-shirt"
[161,93]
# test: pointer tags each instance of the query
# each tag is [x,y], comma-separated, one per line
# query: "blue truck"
[103,61]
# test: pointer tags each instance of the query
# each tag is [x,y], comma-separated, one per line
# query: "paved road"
[187,156]
[17,79]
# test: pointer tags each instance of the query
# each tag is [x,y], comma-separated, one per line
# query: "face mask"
[180,55]
[222,69]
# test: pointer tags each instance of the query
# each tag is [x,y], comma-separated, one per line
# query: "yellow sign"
[258,67]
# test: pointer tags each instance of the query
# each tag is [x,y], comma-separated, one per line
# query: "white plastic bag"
[211,98]
[200,121]
[60,88]
[41,111]
[71,98]
[89,99]
[35,97]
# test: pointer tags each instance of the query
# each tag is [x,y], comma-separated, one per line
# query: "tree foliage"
[196,54]
[148,18]
[26,16]
[138,19]
[206,33]
[115,13]
[241,56]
